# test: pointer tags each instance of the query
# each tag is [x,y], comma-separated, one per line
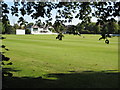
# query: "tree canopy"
[105,12]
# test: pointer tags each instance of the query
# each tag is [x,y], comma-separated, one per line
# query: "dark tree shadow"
[10,69]
[85,79]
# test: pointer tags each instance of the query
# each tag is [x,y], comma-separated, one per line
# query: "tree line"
[105,12]
[11,29]
[90,28]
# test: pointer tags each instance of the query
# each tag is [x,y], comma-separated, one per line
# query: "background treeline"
[90,28]
[9,29]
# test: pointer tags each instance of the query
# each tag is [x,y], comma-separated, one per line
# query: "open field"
[41,61]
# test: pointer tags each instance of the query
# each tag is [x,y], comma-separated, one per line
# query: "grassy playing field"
[42,61]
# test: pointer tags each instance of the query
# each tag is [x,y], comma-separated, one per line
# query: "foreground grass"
[73,62]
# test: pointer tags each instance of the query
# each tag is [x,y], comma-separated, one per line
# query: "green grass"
[83,62]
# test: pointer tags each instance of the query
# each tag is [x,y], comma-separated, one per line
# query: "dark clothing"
[60,36]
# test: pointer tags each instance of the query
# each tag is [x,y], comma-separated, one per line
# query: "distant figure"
[104,36]
[60,36]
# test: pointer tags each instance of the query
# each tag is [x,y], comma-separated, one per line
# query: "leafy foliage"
[2,29]
[103,11]
[59,26]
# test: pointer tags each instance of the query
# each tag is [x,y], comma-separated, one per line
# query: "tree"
[3,26]
[2,29]
[16,26]
[29,25]
[9,29]
[80,27]
[112,27]
[39,23]
[72,29]
[59,27]
[43,9]
[88,28]
[103,11]
[96,29]
[22,22]
[118,27]
[52,29]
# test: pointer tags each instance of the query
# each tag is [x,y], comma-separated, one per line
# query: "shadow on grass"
[85,79]
[10,69]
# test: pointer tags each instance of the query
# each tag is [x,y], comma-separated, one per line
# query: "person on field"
[60,36]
